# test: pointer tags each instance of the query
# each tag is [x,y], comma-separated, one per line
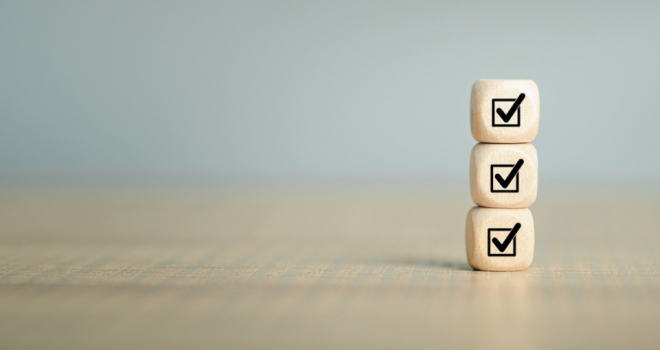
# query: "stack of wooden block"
[504,118]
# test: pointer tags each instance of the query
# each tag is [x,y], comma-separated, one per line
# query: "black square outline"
[490,242]
[492,174]
[493,113]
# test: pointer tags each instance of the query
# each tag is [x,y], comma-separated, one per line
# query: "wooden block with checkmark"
[504,111]
[499,239]
[503,175]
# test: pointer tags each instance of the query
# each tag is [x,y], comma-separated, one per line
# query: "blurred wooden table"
[109,269]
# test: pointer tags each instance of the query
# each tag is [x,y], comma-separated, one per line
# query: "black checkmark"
[512,234]
[506,182]
[506,117]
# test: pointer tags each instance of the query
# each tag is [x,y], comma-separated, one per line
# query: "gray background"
[328,90]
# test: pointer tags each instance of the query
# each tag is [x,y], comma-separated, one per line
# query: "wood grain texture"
[318,269]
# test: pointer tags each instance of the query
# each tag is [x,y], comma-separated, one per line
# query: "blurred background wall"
[319,90]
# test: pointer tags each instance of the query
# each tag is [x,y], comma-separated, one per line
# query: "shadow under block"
[499,239]
[504,111]
[504,175]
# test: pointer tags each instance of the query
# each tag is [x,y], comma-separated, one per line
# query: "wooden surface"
[323,269]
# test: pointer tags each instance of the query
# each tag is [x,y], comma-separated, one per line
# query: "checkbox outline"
[490,242]
[493,113]
[492,179]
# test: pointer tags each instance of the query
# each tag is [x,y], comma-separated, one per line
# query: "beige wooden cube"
[504,175]
[499,239]
[504,111]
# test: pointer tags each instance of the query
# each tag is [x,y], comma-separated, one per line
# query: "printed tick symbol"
[503,246]
[513,110]
[504,184]
[506,117]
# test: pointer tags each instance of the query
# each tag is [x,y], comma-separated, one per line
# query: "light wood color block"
[504,176]
[504,111]
[499,239]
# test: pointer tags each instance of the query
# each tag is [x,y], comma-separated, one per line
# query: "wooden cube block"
[504,175]
[499,239]
[504,111]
